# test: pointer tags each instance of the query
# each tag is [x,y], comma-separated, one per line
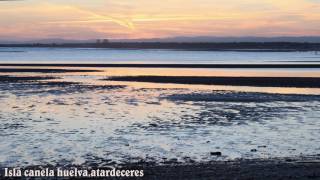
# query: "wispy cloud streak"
[148,19]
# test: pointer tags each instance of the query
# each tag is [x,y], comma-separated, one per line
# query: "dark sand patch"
[38,85]
[242,169]
[13,79]
[27,87]
[78,86]
[21,70]
[58,83]
[301,82]
[265,169]
[230,96]
[8,51]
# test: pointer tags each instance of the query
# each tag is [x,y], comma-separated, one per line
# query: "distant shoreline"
[231,66]
[205,46]
[32,70]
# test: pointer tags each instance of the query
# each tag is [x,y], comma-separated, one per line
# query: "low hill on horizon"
[180,39]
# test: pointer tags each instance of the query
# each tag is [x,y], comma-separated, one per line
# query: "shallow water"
[79,124]
[93,55]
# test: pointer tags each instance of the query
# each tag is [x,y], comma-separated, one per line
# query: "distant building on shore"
[102,41]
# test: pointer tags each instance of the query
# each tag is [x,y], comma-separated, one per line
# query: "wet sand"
[10,79]
[301,168]
[302,82]
[277,168]
[264,169]
[38,82]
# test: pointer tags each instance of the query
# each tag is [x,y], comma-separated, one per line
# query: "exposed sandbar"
[301,82]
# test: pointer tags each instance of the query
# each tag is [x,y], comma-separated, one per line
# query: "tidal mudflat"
[303,82]
[80,119]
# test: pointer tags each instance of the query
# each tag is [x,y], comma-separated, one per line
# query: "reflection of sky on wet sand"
[237,72]
[40,125]
[94,77]
[75,123]
[211,72]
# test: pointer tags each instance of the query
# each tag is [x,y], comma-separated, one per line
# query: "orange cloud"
[145,18]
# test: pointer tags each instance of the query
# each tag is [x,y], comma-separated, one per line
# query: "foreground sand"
[301,167]
[265,169]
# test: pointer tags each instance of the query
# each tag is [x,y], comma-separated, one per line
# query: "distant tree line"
[102,41]
[233,46]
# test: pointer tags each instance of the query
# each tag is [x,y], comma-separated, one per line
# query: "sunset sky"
[90,19]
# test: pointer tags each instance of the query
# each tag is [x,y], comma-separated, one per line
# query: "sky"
[133,19]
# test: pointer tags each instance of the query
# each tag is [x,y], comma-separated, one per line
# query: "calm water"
[92,55]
